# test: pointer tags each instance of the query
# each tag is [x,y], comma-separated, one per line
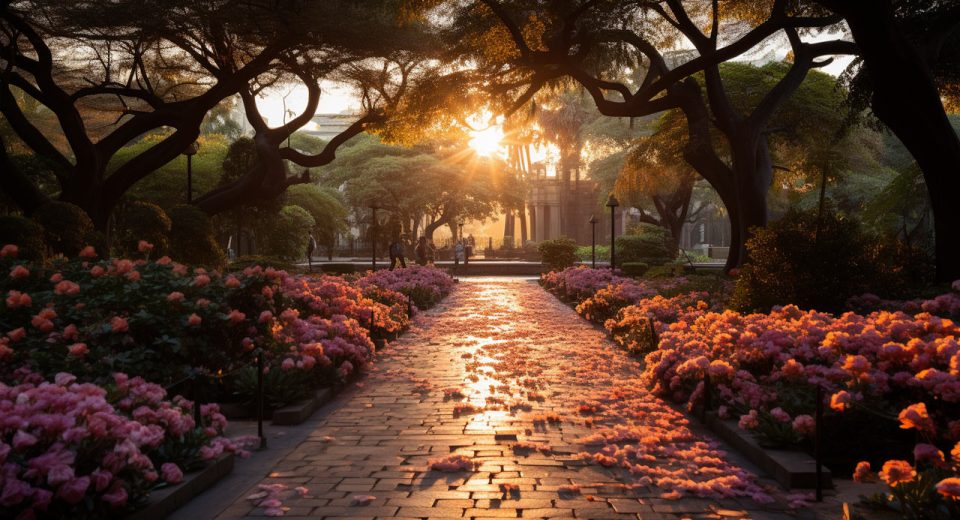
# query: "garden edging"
[790,468]
[165,501]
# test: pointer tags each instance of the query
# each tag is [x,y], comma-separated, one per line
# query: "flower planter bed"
[297,413]
[791,469]
[893,369]
[70,327]
[165,501]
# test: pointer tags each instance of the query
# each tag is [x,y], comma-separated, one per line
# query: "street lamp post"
[612,203]
[373,238]
[461,229]
[593,241]
[190,152]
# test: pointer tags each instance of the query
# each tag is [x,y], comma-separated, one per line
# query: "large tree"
[444,184]
[165,66]
[623,54]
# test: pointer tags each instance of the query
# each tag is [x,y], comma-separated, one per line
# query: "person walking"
[396,254]
[421,251]
[457,254]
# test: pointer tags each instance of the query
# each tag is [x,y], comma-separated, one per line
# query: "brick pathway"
[560,427]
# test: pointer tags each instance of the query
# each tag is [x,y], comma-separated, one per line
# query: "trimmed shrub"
[64,227]
[789,265]
[144,221]
[263,261]
[558,253]
[192,240]
[25,234]
[634,268]
[287,234]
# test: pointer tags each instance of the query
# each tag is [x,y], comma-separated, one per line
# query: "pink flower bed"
[72,450]
[425,285]
[764,368]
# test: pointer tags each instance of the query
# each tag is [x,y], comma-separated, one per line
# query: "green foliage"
[263,261]
[25,234]
[634,268]
[558,253]
[585,253]
[644,243]
[326,208]
[143,221]
[280,387]
[790,264]
[167,186]
[286,236]
[64,227]
[192,240]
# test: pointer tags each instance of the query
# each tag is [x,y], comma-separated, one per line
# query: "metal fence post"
[263,439]
[818,443]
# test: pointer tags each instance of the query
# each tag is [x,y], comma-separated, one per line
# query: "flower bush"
[426,285]
[896,366]
[78,450]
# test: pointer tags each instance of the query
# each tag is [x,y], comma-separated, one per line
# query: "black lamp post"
[593,240]
[461,229]
[190,152]
[373,238]
[612,203]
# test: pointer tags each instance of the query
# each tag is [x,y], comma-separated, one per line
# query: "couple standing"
[424,253]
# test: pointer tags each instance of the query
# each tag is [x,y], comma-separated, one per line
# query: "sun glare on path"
[487,142]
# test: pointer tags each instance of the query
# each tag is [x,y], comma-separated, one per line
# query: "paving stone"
[386,432]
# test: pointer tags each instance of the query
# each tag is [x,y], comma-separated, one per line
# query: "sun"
[486,142]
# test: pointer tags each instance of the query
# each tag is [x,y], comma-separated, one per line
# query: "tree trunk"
[906,99]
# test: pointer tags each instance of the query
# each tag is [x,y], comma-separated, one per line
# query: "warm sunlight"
[486,142]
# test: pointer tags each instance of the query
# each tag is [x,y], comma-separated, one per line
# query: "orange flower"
[895,472]
[916,416]
[949,487]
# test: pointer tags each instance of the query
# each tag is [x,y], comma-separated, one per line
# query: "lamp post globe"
[612,203]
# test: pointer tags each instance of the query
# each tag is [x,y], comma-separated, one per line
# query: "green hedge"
[559,253]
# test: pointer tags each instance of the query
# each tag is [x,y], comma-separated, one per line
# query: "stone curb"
[299,412]
[165,501]
[790,468]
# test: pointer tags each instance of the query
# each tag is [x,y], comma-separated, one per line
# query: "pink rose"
[288,364]
[101,479]
[78,349]
[9,250]
[194,320]
[201,280]
[175,296]
[133,276]
[88,252]
[72,492]
[18,272]
[119,324]
[804,424]
[97,271]
[171,473]
[17,334]
[144,247]
[117,496]
[236,316]
[164,260]
[232,282]
[59,474]
[124,266]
